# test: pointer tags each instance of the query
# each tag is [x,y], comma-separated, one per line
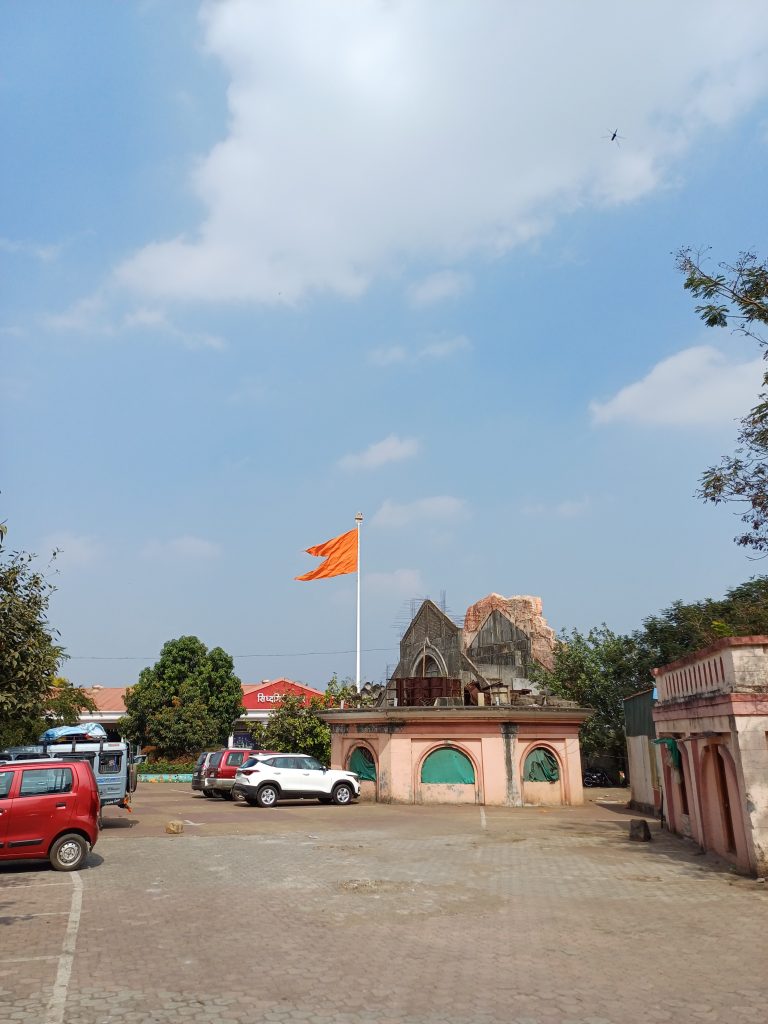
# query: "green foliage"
[684,628]
[296,727]
[597,670]
[162,766]
[187,701]
[29,654]
[339,690]
[737,297]
[65,703]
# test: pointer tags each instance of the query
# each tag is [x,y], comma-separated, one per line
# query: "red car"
[48,808]
[219,771]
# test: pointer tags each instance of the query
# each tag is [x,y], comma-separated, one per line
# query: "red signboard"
[268,695]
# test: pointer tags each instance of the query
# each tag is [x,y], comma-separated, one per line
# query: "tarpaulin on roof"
[90,732]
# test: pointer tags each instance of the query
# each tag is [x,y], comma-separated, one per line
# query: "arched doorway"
[447,775]
[429,663]
[362,762]
[722,822]
[542,776]
[429,667]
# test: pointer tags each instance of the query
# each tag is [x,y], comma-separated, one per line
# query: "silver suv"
[264,779]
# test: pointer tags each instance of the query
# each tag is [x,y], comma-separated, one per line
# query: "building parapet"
[731,665]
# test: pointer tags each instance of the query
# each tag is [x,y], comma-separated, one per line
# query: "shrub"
[178,766]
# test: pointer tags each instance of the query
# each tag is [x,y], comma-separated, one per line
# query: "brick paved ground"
[374,914]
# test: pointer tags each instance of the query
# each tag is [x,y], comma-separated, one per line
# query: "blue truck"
[114,764]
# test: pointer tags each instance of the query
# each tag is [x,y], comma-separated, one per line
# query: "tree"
[684,628]
[598,670]
[29,654]
[295,727]
[186,701]
[65,703]
[737,297]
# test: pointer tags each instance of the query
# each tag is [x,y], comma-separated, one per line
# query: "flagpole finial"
[359,517]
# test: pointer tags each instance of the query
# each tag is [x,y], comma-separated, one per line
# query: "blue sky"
[268,264]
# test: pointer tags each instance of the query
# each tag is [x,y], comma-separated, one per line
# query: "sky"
[264,265]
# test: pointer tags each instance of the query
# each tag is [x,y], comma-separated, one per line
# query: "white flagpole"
[358,520]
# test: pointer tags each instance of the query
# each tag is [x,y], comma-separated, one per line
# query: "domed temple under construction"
[463,718]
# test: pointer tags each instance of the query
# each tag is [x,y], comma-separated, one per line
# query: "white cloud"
[571,508]
[158,320]
[696,387]
[92,315]
[361,137]
[400,582]
[445,348]
[391,449]
[86,316]
[186,547]
[441,348]
[42,252]
[442,508]
[389,356]
[445,284]
[74,551]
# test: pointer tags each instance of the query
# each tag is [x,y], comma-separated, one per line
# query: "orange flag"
[340,556]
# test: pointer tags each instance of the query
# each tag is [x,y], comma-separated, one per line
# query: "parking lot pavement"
[371,913]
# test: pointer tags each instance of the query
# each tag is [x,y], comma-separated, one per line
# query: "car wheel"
[68,853]
[208,794]
[342,794]
[226,794]
[267,796]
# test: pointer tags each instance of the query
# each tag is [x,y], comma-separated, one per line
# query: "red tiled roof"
[108,698]
[112,698]
[250,687]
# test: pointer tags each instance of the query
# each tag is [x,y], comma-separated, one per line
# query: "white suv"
[263,780]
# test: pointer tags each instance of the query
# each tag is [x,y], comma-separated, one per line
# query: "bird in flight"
[613,136]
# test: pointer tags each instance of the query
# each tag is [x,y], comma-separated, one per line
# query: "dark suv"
[197,773]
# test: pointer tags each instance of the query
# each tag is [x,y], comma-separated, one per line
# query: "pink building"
[711,718]
[505,755]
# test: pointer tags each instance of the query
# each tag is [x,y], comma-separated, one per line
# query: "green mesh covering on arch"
[448,765]
[362,763]
[541,766]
